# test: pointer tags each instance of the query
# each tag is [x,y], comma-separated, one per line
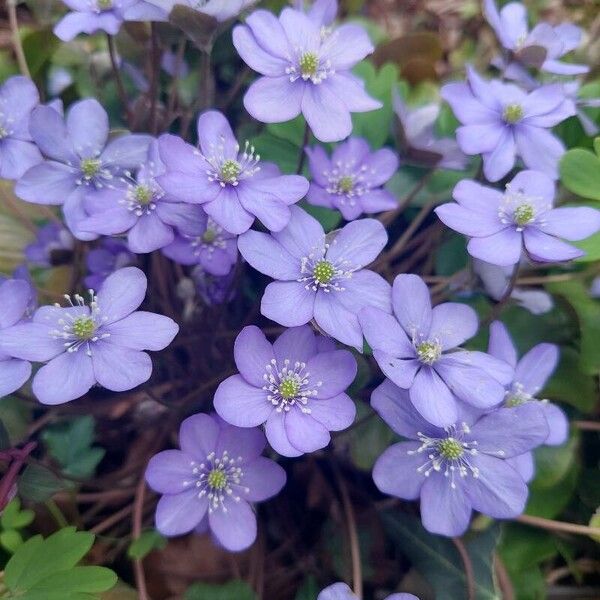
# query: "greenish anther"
[346,184]
[217,479]
[515,400]
[209,236]
[83,327]
[323,271]
[513,113]
[289,388]
[524,214]
[3,132]
[309,63]
[90,167]
[143,194]
[451,449]
[429,352]
[230,171]
[104,4]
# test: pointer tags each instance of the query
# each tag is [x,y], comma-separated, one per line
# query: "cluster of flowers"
[471,418]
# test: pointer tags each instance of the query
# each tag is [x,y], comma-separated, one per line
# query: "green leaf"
[328,218]
[11,539]
[4,437]
[580,173]
[70,443]
[591,247]
[438,561]
[522,548]
[309,591]
[291,131]
[595,522]
[552,463]
[597,146]
[282,152]
[13,517]
[148,541]
[38,483]
[369,439]
[238,590]
[78,579]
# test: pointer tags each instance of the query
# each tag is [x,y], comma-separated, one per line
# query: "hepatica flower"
[53,246]
[90,16]
[79,159]
[318,277]
[503,224]
[229,180]
[109,256]
[204,243]
[18,97]
[212,480]
[417,349]
[100,341]
[305,69]
[460,468]
[15,298]
[294,386]
[221,10]
[341,591]
[541,47]
[136,204]
[500,121]
[213,289]
[352,179]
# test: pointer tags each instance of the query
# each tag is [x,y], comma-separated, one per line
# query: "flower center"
[345,184]
[83,327]
[309,64]
[289,388]
[524,214]
[90,167]
[323,272]
[451,449]
[513,113]
[104,4]
[143,194]
[3,132]
[217,479]
[428,352]
[209,236]
[230,171]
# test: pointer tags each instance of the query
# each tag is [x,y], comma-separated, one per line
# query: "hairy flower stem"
[559,526]
[11,8]
[302,154]
[468,566]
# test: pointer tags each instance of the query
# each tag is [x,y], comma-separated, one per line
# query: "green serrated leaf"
[580,173]
[239,590]
[38,483]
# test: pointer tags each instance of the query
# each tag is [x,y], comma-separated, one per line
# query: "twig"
[235,88]
[587,425]
[112,52]
[560,526]
[138,567]
[154,76]
[504,581]
[468,566]
[499,306]
[16,38]
[352,535]
[302,155]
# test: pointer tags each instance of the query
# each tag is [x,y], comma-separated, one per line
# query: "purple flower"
[206,244]
[97,343]
[90,16]
[321,12]
[230,182]
[531,374]
[136,204]
[294,386]
[460,468]
[53,246]
[79,159]
[18,97]
[588,124]
[110,256]
[213,289]
[500,121]
[320,278]
[352,179]
[212,480]
[541,47]
[418,129]
[221,10]
[501,225]
[15,299]
[341,591]
[417,349]
[306,68]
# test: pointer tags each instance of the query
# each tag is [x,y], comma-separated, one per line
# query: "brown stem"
[499,306]
[154,77]
[468,566]
[16,38]
[112,52]
[587,425]
[559,526]
[504,581]
[302,155]
[138,566]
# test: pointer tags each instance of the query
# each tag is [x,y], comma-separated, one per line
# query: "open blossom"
[203,242]
[221,10]
[109,256]
[232,184]
[321,12]
[136,204]
[53,246]
[503,224]
[15,299]
[294,386]
[417,349]
[211,481]
[18,97]
[306,69]
[422,146]
[352,179]
[90,16]
[542,47]
[79,159]
[500,121]
[341,591]
[462,467]
[319,277]
[96,342]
